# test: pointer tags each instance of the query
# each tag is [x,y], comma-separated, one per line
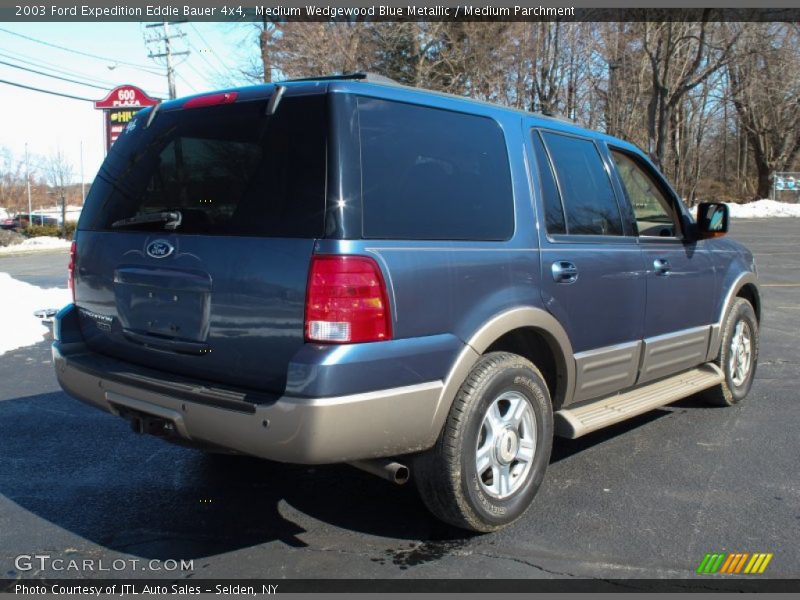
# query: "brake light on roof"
[211,100]
[346,301]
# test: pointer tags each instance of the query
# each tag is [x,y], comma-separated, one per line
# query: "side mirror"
[713,219]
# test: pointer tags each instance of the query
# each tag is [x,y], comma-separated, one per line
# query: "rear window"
[433,174]
[228,170]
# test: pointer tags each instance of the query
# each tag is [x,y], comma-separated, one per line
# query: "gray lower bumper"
[300,430]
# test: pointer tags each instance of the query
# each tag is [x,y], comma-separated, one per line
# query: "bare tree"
[58,171]
[765,91]
[547,71]
[404,51]
[692,93]
[266,41]
[12,181]
[621,82]
[682,55]
[310,49]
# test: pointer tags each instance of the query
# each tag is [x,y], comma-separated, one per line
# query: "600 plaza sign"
[120,106]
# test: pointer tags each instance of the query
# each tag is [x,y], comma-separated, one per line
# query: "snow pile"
[18,300]
[37,244]
[761,209]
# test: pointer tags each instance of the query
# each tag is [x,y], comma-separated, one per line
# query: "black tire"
[729,392]
[446,475]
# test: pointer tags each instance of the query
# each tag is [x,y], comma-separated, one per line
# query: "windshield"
[227,170]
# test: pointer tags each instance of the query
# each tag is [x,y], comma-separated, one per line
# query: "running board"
[575,422]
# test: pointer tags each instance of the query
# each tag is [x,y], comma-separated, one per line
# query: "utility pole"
[28,182]
[83,185]
[63,215]
[167,53]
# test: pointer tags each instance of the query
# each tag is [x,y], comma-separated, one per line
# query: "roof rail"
[557,116]
[357,76]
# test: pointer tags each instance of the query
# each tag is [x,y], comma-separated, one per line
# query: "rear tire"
[738,355]
[492,453]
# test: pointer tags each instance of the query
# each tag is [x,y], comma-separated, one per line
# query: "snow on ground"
[36,244]
[761,209]
[18,300]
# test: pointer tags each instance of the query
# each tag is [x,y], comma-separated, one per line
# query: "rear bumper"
[388,422]
[321,421]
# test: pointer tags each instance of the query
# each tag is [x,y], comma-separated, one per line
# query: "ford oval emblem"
[159,249]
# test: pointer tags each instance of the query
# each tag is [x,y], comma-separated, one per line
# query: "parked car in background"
[341,270]
[22,220]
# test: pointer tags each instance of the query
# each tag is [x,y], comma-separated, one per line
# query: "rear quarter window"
[433,174]
[229,170]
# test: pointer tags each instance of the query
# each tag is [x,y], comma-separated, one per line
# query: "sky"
[48,123]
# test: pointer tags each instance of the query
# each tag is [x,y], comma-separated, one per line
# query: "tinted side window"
[433,174]
[553,210]
[589,201]
[229,170]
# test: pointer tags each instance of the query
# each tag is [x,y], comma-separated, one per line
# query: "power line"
[106,85]
[196,72]
[182,78]
[210,66]
[21,68]
[35,89]
[210,47]
[146,68]
[50,66]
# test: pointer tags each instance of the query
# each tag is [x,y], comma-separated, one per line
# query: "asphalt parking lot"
[646,498]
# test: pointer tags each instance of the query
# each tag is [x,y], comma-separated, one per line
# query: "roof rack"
[376,78]
[556,115]
[357,76]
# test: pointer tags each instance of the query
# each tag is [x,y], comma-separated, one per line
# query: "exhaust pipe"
[384,468]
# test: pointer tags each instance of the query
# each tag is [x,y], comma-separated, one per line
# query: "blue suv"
[348,270]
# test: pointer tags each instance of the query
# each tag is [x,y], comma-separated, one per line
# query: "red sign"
[117,121]
[126,96]
[119,107]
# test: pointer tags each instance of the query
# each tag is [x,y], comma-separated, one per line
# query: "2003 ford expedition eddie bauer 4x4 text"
[348,270]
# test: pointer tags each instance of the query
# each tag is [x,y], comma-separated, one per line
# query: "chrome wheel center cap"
[507,446]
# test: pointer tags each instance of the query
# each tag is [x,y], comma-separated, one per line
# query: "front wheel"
[492,454]
[738,355]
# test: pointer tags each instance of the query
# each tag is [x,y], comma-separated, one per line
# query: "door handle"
[564,271]
[661,266]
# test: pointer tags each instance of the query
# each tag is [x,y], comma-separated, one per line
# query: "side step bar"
[575,422]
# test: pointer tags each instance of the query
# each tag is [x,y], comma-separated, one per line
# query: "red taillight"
[73,255]
[211,100]
[346,301]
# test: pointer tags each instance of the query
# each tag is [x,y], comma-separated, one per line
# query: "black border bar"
[108,11]
[209,586]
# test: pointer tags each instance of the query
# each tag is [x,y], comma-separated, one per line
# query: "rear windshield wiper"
[171,219]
